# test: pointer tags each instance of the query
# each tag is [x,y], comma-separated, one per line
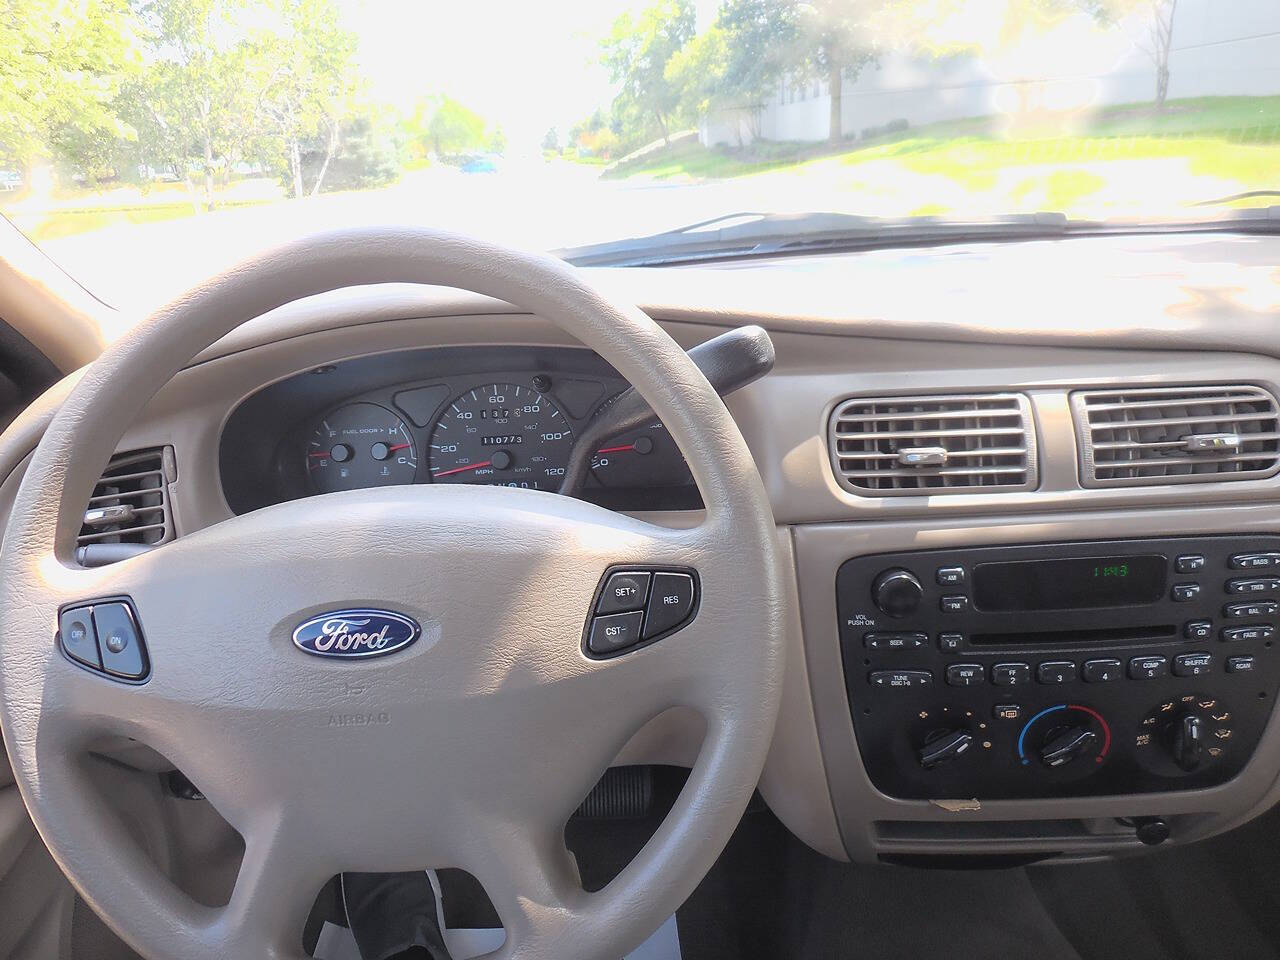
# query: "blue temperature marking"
[1023,735]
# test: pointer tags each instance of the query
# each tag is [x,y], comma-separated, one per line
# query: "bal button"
[670,603]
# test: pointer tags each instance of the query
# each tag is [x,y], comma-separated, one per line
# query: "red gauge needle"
[398,446]
[470,466]
[622,449]
[325,454]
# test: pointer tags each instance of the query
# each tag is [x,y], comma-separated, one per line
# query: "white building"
[1220,48]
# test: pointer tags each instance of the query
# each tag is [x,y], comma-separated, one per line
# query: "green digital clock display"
[1078,583]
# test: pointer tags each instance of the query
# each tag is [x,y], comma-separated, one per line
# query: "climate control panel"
[1064,669]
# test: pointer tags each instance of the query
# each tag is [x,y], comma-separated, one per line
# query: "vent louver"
[895,446]
[1182,434]
[129,511]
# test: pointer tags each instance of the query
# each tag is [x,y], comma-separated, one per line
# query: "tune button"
[1198,629]
[1011,674]
[1056,671]
[965,674]
[900,678]
[1251,609]
[1148,668]
[1192,664]
[1101,671]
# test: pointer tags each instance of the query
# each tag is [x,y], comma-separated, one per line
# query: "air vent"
[1176,435]
[129,511]
[895,446]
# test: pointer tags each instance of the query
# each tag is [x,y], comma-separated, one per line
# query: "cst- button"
[614,632]
[670,603]
[623,591]
[119,641]
[78,637]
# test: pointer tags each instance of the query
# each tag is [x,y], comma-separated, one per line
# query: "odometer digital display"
[501,434]
[1074,584]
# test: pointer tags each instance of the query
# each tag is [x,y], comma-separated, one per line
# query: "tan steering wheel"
[496,723]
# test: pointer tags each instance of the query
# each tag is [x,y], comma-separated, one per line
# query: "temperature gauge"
[360,445]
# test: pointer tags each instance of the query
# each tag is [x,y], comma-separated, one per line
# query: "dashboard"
[478,415]
[415,386]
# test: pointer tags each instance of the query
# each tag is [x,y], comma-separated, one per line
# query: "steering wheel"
[483,737]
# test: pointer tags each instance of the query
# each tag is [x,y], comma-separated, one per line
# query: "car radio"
[1064,669]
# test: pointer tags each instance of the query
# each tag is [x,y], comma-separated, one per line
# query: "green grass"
[1232,142]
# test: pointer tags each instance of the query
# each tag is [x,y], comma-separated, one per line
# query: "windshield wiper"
[749,233]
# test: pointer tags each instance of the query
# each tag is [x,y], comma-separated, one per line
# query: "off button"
[670,603]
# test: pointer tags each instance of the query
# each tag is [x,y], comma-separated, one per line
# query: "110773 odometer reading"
[501,434]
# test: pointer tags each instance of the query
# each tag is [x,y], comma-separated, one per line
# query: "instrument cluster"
[510,418]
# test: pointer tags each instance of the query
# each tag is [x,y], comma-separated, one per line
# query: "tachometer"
[360,445]
[501,434]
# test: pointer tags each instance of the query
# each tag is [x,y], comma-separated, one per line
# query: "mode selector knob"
[897,592]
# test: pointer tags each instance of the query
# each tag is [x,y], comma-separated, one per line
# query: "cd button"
[1056,671]
[1010,674]
[1101,671]
[1148,668]
[1198,629]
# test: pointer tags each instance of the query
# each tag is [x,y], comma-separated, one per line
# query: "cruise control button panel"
[105,636]
[634,606]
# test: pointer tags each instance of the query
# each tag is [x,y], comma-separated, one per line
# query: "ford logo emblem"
[351,634]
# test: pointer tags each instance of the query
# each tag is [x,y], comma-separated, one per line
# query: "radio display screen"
[1080,583]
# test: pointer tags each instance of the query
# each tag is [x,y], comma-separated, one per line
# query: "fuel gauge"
[360,445]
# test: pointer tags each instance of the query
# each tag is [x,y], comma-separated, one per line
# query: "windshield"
[146,143]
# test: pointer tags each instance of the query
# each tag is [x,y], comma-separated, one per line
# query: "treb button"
[670,603]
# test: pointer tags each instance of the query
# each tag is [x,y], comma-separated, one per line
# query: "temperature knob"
[897,592]
[1068,738]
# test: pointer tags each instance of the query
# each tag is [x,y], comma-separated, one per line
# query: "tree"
[455,128]
[837,45]
[193,108]
[62,65]
[1155,19]
[636,53]
[310,87]
[551,141]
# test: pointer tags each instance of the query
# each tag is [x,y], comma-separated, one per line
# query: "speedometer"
[501,434]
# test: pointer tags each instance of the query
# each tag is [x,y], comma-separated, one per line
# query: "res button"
[670,603]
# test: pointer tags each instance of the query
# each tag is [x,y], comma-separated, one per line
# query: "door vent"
[129,512]
[896,446]
[1176,435]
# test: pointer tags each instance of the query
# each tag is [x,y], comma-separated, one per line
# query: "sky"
[524,65]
